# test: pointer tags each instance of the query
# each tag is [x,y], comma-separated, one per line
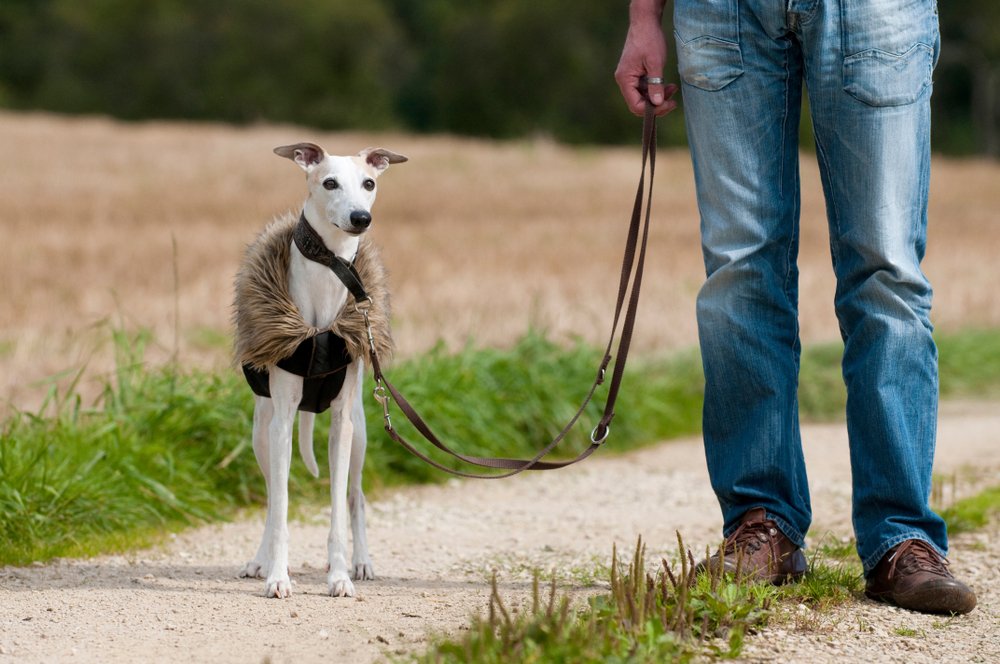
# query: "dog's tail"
[306,420]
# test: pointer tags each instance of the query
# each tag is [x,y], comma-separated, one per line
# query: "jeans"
[867,66]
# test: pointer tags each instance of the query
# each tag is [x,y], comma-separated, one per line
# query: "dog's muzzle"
[360,220]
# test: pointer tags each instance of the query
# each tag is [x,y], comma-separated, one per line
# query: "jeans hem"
[788,530]
[871,561]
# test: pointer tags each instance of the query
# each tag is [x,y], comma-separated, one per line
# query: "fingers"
[661,97]
[637,94]
[633,92]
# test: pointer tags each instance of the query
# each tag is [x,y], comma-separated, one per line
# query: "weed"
[669,615]
[909,632]
[825,584]
[945,623]
[837,548]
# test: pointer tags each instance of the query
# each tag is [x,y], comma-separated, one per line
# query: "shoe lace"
[749,537]
[917,556]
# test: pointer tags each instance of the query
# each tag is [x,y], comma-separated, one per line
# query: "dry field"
[142,225]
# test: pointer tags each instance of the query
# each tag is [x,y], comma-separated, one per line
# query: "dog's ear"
[380,158]
[305,155]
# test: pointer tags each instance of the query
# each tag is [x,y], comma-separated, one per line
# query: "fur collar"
[268,326]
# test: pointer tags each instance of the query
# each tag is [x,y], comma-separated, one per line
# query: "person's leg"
[741,85]
[868,72]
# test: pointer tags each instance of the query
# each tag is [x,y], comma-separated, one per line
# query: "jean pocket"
[709,63]
[878,78]
[890,49]
[708,42]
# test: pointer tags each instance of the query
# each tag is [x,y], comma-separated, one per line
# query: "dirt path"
[434,546]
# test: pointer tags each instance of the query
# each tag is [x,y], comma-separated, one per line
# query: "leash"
[311,245]
[629,285]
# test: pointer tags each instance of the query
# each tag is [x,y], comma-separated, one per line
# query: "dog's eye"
[368,184]
[331,184]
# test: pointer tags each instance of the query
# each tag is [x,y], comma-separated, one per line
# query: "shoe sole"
[947,600]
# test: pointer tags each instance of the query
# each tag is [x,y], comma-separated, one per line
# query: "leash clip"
[383,398]
[363,310]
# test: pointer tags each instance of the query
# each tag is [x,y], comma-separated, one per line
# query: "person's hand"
[644,55]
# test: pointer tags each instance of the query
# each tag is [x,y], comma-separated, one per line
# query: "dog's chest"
[316,291]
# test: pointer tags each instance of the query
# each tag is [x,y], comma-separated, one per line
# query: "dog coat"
[270,331]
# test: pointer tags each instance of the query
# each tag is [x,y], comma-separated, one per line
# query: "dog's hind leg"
[341,434]
[361,561]
[262,411]
[286,392]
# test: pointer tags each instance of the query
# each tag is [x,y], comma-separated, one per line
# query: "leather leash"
[630,284]
[311,245]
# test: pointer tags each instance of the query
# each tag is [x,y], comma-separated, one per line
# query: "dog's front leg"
[286,392]
[363,569]
[341,433]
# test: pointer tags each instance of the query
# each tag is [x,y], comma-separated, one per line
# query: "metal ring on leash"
[593,435]
[363,306]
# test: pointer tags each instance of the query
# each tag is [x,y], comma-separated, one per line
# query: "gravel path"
[434,547]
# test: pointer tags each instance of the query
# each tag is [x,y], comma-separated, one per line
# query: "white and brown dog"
[310,299]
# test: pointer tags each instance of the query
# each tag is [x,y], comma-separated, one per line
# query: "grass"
[969,367]
[165,447]
[669,614]
[973,512]
[909,632]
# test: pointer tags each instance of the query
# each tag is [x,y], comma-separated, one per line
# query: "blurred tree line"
[479,67]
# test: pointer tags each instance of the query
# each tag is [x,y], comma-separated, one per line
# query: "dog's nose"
[361,219]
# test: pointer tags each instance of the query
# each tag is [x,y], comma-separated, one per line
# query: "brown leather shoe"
[758,550]
[914,576]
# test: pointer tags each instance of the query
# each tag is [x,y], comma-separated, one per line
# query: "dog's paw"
[339,585]
[280,587]
[253,570]
[363,571]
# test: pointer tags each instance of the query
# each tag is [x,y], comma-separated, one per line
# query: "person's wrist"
[642,12]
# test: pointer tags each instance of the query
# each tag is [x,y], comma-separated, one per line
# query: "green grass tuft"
[669,614]
[973,512]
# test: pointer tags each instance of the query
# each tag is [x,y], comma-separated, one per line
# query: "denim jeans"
[867,67]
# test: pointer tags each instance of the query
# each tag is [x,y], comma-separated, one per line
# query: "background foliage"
[498,69]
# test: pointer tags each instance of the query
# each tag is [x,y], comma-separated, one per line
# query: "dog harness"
[322,359]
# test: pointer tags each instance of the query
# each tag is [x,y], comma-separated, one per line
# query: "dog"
[341,191]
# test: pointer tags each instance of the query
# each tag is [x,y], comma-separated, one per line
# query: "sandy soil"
[435,546]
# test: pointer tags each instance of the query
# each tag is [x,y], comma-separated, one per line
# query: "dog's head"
[341,189]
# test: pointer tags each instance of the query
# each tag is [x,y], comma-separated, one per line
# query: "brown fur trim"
[267,323]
